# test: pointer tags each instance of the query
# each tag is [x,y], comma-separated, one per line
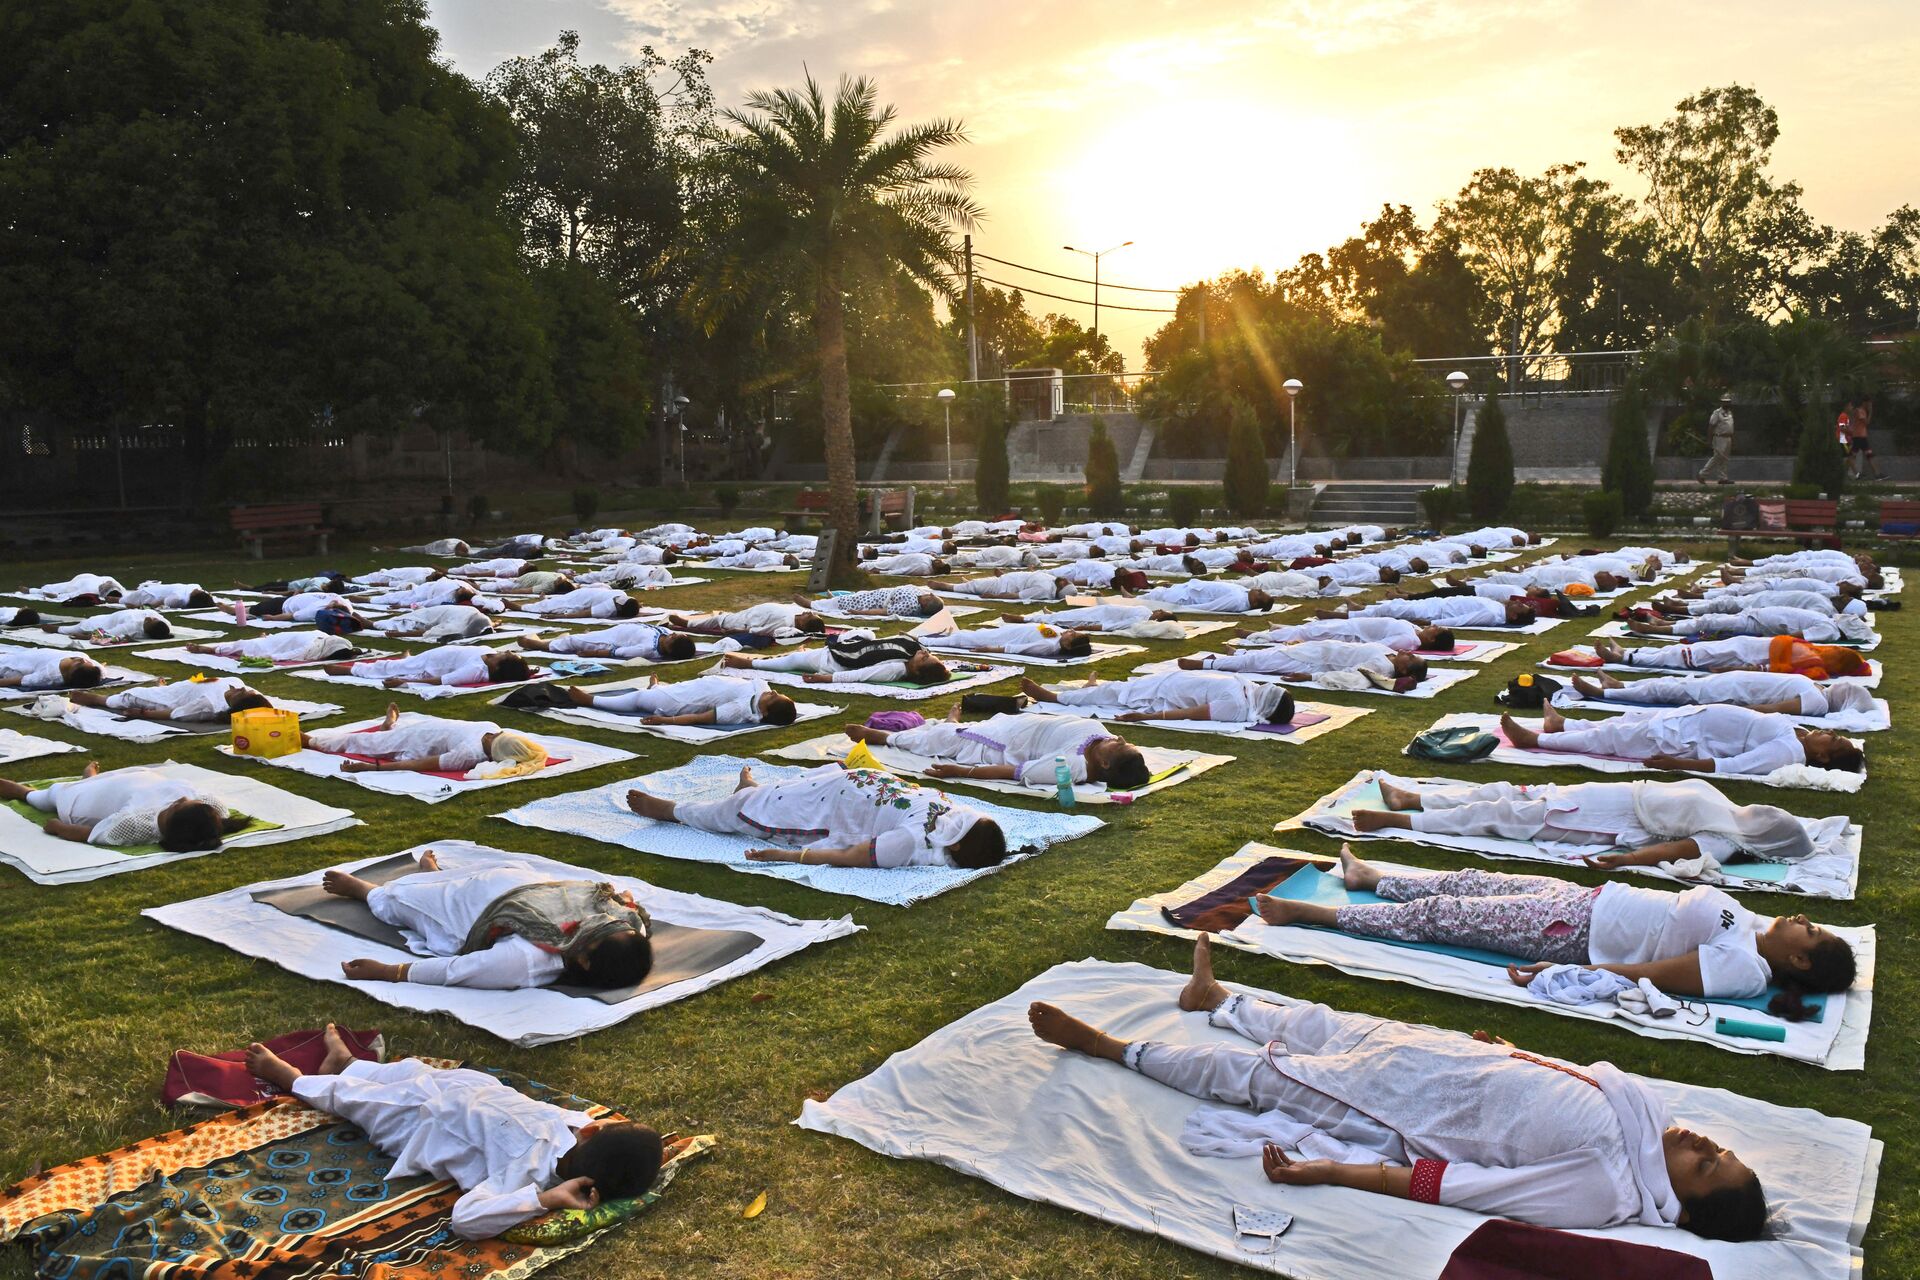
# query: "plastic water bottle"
[240,613]
[1063,782]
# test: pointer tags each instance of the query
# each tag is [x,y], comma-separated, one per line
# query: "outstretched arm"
[853,855]
[74,831]
[1647,856]
[1197,711]
[414,764]
[983,771]
[691,717]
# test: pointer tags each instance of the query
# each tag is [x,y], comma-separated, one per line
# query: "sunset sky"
[1222,135]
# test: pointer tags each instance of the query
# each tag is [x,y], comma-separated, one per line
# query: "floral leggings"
[1528,917]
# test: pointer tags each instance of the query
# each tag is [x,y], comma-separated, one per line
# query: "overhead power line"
[1079,302]
[1104,284]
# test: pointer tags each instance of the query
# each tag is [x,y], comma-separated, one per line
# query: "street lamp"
[946,403]
[1096,256]
[1458,381]
[1292,387]
[680,404]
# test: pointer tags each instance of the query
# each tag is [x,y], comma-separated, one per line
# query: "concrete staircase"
[1393,505]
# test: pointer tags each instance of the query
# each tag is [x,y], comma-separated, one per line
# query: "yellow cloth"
[862,758]
[520,754]
[1579,589]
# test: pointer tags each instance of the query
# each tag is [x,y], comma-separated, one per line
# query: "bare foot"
[271,1067]
[342,884]
[393,715]
[577,696]
[1525,739]
[746,778]
[1589,688]
[861,733]
[338,1054]
[1380,820]
[1277,910]
[1609,651]
[1551,721]
[429,861]
[1202,994]
[1398,798]
[1357,872]
[1058,1027]
[649,806]
[1037,691]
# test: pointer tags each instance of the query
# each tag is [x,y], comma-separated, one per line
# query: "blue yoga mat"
[1309,884]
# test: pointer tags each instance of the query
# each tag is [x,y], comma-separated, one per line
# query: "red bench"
[1893,512]
[1808,521]
[281,522]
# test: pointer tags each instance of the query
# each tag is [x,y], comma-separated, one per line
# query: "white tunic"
[586,602]
[1026,584]
[39,668]
[1097,617]
[436,622]
[1308,658]
[624,641]
[831,807]
[1212,597]
[454,664]
[644,554]
[122,624]
[1395,633]
[1028,743]
[1226,697]
[1446,611]
[1810,601]
[752,558]
[1639,926]
[629,574]
[439,591]
[406,576]
[160,595]
[1002,557]
[498,1145]
[1735,739]
[460,744]
[732,700]
[180,699]
[503,567]
[907,564]
[1031,639]
[1808,625]
[1703,655]
[436,910]
[1086,573]
[286,646]
[302,606]
[1742,688]
[771,618]
[83,584]
[122,805]
[822,661]
[1292,582]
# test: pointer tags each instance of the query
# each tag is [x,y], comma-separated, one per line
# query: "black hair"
[934,673]
[627,608]
[1417,669]
[1831,967]
[1389,574]
[781,712]
[84,676]
[1417,565]
[248,701]
[1283,713]
[1527,615]
[1442,639]
[812,623]
[199,599]
[676,646]
[1734,1214]
[984,845]
[622,1160]
[26,617]
[619,960]
[869,553]
[1194,565]
[1127,769]
[511,667]
[668,555]
[929,604]
[271,605]
[940,567]
[192,828]
[1846,757]
[156,629]
[1075,644]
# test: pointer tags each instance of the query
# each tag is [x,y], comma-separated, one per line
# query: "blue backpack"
[1463,742]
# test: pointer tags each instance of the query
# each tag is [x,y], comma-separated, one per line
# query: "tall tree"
[1628,470]
[823,195]
[1490,465]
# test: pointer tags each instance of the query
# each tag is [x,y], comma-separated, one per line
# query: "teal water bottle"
[1062,782]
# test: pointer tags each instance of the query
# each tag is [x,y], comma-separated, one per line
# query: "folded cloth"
[1577,984]
[895,721]
[1507,1250]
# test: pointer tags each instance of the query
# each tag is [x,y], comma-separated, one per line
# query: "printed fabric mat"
[276,1190]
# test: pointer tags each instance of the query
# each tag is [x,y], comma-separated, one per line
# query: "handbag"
[265,732]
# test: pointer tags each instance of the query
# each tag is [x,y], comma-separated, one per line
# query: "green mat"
[40,820]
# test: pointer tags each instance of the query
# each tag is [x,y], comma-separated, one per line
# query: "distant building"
[1037,395]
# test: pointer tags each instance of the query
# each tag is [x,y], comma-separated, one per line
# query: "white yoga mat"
[1833,870]
[989,673]
[81,644]
[1568,699]
[602,814]
[1871,680]
[1438,678]
[46,859]
[111,724]
[833,748]
[595,718]
[1803,777]
[1337,717]
[238,667]
[1838,1041]
[111,677]
[525,1017]
[985,1097]
[431,788]
[15,747]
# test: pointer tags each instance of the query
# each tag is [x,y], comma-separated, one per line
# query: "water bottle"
[1063,782]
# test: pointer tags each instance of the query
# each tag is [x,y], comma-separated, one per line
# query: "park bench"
[893,506]
[280,522]
[1899,519]
[1808,521]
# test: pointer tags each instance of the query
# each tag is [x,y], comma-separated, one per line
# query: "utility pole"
[973,342]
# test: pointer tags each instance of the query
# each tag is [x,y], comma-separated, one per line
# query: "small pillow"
[565,1226]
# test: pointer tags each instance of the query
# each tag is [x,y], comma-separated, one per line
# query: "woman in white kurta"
[448,666]
[436,622]
[24,668]
[1018,748]
[906,564]
[585,602]
[1001,558]
[1814,627]
[1810,601]
[121,624]
[1028,639]
[1210,597]
[629,575]
[838,817]
[1311,658]
[624,642]
[1024,584]
[1357,572]
[81,584]
[1782,692]
[431,744]
[1452,611]
[1180,695]
[755,558]
[404,576]
[1396,633]
[708,700]
[1434,1116]
[1293,583]
[179,701]
[1100,573]
[167,595]
[126,808]
[499,567]
[302,606]
[1097,617]
[774,619]
[513,1157]
[281,647]
[1702,739]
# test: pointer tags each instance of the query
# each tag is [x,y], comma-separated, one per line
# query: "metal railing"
[1540,373]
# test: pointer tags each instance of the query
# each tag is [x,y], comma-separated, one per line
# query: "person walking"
[1720,436]
[1862,447]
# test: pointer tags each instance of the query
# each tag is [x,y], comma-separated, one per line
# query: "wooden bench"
[280,522]
[894,505]
[1809,522]
[1893,511]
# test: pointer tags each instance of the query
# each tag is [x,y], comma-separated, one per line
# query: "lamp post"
[1096,256]
[680,404]
[1458,381]
[1292,387]
[946,404]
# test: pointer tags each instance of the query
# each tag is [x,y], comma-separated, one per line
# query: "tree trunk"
[836,419]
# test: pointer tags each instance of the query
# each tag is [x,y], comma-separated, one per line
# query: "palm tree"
[819,196]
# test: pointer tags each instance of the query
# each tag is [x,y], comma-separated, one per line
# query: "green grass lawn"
[97,998]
